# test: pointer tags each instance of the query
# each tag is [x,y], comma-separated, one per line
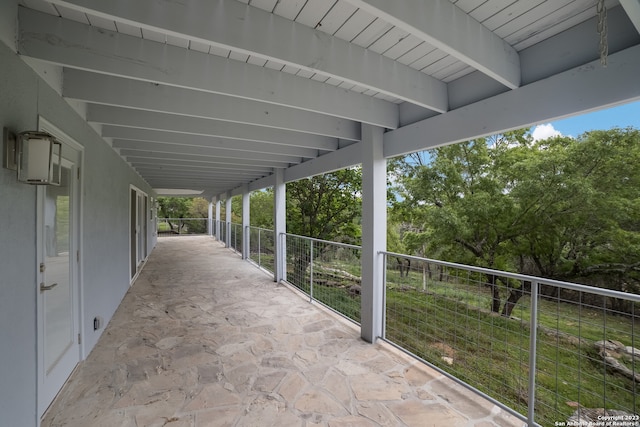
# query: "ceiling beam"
[181,183]
[336,160]
[189,165]
[218,153]
[153,173]
[72,44]
[197,179]
[213,177]
[192,168]
[446,27]
[197,159]
[580,90]
[187,141]
[632,8]
[233,25]
[217,178]
[106,114]
[117,91]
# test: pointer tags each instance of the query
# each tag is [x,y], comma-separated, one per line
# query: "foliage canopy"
[562,208]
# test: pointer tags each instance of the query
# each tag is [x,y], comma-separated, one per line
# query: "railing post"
[278,267]
[259,248]
[384,295]
[246,241]
[311,272]
[533,328]
[210,219]
[218,215]
[282,253]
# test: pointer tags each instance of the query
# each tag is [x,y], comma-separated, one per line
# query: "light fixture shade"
[36,154]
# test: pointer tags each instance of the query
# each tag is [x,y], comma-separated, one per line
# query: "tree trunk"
[514,296]
[495,293]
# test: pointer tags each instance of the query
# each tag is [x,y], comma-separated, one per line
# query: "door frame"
[138,237]
[44,401]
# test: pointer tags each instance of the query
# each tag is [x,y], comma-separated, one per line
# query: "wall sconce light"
[32,154]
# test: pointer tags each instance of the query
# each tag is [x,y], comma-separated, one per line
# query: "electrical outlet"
[97,323]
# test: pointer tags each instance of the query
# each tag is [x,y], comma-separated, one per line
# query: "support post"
[533,353]
[246,221]
[218,217]
[374,231]
[227,220]
[279,225]
[210,219]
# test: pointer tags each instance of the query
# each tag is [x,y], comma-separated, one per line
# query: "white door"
[58,277]
[137,230]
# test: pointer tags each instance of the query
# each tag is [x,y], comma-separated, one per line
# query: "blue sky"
[621,116]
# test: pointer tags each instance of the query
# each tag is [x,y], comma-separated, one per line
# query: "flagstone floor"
[205,339]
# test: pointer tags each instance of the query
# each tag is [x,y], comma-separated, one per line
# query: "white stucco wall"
[105,241]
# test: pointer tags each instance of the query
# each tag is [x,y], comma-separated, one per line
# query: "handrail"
[253,227]
[181,219]
[304,276]
[313,239]
[533,279]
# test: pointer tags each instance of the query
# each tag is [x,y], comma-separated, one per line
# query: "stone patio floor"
[203,338]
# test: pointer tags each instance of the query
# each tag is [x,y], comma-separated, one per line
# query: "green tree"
[262,209]
[173,207]
[177,208]
[199,208]
[584,204]
[562,208]
[326,207]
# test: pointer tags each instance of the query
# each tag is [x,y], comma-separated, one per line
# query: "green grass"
[491,352]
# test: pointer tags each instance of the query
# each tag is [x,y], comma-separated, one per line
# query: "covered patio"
[220,99]
[203,338]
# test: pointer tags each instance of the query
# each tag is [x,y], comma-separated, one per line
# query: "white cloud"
[544,131]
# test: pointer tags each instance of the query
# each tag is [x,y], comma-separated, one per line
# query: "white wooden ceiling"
[215,95]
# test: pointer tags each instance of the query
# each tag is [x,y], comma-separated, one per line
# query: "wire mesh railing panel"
[443,315]
[236,237]
[587,356]
[298,261]
[182,226]
[336,278]
[262,248]
[328,272]
[222,226]
[475,325]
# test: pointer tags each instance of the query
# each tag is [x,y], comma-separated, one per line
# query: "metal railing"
[544,350]
[539,348]
[182,226]
[262,248]
[236,236]
[222,229]
[328,272]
